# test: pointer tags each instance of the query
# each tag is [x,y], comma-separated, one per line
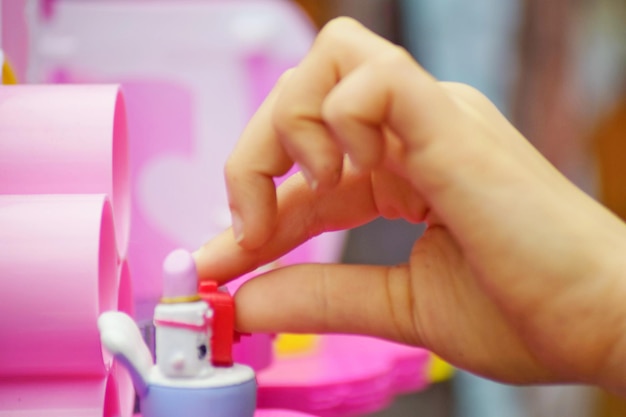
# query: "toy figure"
[183,382]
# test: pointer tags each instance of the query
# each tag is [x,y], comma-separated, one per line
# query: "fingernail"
[237,226]
[313,183]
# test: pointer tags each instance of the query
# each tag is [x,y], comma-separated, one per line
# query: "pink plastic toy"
[346,375]
[63,149]
[125,305]
[60,397]
[59,266]
[66,140]
[59,271]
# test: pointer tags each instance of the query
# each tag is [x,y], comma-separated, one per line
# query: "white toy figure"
[183,382]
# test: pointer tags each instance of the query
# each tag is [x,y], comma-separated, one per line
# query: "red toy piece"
[223,306]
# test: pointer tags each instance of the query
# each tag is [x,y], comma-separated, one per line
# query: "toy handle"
[120,336]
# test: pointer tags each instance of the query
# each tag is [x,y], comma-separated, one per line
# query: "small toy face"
[183,339]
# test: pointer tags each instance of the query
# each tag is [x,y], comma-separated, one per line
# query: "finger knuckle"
[396,56]
[336,111]
[336,28]
[287,120]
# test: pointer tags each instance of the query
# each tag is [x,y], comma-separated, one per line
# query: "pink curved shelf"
[126,391]
[59,272]
[66,139]
[347,375]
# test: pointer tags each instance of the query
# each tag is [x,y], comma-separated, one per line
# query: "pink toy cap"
[180,279]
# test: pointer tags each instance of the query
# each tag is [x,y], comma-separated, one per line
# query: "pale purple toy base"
[347,375]
[228,401]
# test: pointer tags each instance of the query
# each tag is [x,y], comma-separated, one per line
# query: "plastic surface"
[59,267]
[122,376]
[66,140]
[347,375]
[63,157]
[124,289]
[59,397]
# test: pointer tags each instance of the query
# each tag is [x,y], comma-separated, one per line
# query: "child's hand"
[519,277]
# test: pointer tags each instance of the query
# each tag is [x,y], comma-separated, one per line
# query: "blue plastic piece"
[230,401]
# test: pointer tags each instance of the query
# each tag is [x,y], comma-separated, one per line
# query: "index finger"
[289,128]
[301,215]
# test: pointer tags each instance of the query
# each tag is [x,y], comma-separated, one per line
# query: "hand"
[519,276]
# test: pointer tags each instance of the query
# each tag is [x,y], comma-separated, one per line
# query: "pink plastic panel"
[347,375]
[59,397]
[126,391]
[59,266]
[124,289]
[66,140]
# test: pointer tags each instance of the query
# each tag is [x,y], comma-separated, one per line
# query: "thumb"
[322,298]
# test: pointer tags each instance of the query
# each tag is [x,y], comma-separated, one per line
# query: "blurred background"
[556,69]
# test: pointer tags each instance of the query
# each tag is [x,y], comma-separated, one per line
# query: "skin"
[519,276]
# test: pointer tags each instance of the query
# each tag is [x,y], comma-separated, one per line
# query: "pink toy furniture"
[64,158]
[66,140]
[346,375]
[59,265]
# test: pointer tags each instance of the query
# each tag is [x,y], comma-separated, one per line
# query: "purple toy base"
[225,401]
